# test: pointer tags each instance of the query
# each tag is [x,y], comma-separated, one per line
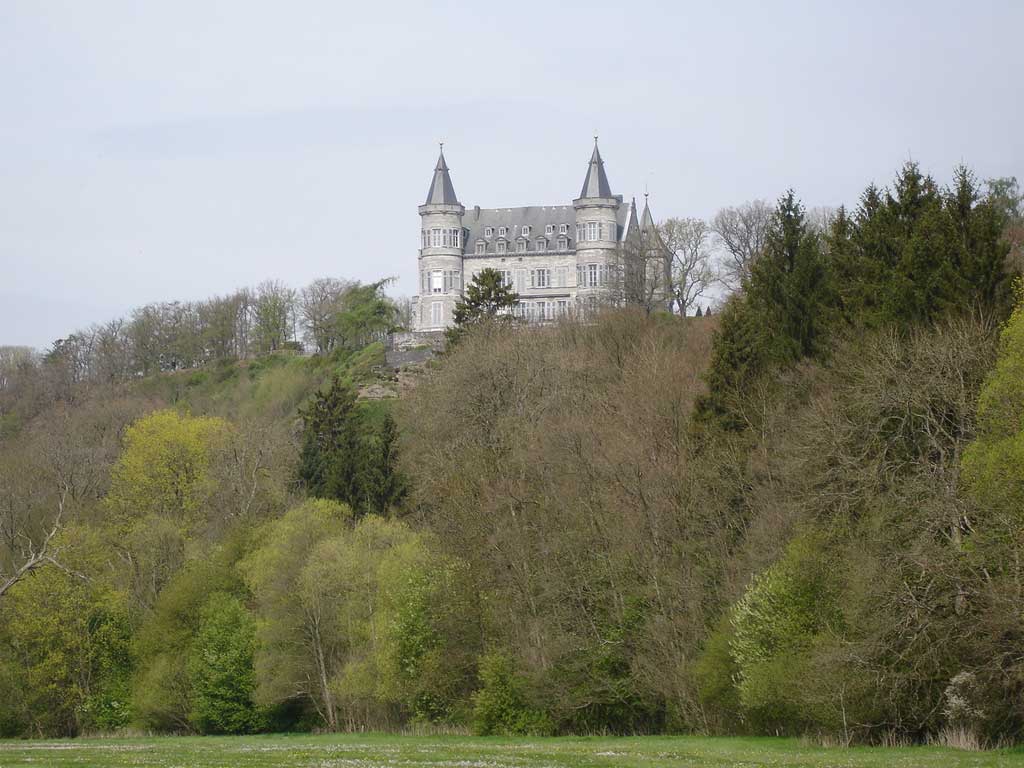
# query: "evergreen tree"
[781,317]
[382,484]
[329,464]
[487,298]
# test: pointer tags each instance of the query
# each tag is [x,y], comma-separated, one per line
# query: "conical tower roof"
[441,190]
[596,183]
[646,219]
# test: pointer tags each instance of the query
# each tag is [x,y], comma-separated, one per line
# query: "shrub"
[500,706]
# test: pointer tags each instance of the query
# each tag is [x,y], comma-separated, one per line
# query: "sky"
[180,150]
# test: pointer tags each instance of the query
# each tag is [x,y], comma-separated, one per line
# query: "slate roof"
[441,190]
[596,183]
[477,220]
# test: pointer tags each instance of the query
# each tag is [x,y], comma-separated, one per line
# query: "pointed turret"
[441,190]
[596,183]
[646,219]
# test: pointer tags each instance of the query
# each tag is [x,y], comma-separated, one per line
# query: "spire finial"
[595,137]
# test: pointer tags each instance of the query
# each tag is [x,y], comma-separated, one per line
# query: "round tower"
[597,236]
[441,249]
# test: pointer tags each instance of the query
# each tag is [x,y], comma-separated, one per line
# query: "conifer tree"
[330,459]
[487,298]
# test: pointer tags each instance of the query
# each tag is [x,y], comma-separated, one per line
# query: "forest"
[802,515]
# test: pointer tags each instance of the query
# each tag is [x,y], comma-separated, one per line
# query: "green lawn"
[304,751]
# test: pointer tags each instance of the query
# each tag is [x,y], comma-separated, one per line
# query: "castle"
[558,259]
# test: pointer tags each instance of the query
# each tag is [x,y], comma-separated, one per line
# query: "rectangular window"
[436,281]
[501,246]
[436,313]
[506,277]
[549,229]
[526,231]
[520,280]
[602,274]
[489,232]
[563,229]
[561,277]
[521,246]
[481,247]
[593,230]
[591,275]
[540,278]
[563,243]
[542,245]
[581,232]
[563,306]
[502,231]
[580,275]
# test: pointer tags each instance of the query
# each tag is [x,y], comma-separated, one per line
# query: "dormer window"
[526,231]
[549,229]
[502,231]
[563,243]
[563,229]
[542,244]
[488,231]
[481,247]
[501,246]
[521,246]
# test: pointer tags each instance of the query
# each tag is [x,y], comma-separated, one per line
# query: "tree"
[366,315]
[382,484]
[319,303]
[298,646]
[487,298]
[220,669]
[274,316]
[692,269]
[159,495]
[330,459]
[782,316]
[743,232]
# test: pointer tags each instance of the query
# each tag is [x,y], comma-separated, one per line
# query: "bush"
[500,707]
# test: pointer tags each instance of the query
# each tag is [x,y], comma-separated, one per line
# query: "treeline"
[170,336]
[327,315]
[800,516]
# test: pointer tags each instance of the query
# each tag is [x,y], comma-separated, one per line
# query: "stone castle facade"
[558,259]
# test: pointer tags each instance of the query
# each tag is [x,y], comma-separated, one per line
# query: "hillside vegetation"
[799,516]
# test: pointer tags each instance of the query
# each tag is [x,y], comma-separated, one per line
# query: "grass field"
[304,751]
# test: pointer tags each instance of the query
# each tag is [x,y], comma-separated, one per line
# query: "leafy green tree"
[162,697]
[365,315]
[775,624]
[69,639]
[298,643]
[487,298]
[220,669]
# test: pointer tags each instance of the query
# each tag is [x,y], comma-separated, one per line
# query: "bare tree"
[319,302]
[274,315]
[692,269]
[742,231]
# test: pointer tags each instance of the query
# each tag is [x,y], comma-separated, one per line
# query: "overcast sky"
[176,150]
